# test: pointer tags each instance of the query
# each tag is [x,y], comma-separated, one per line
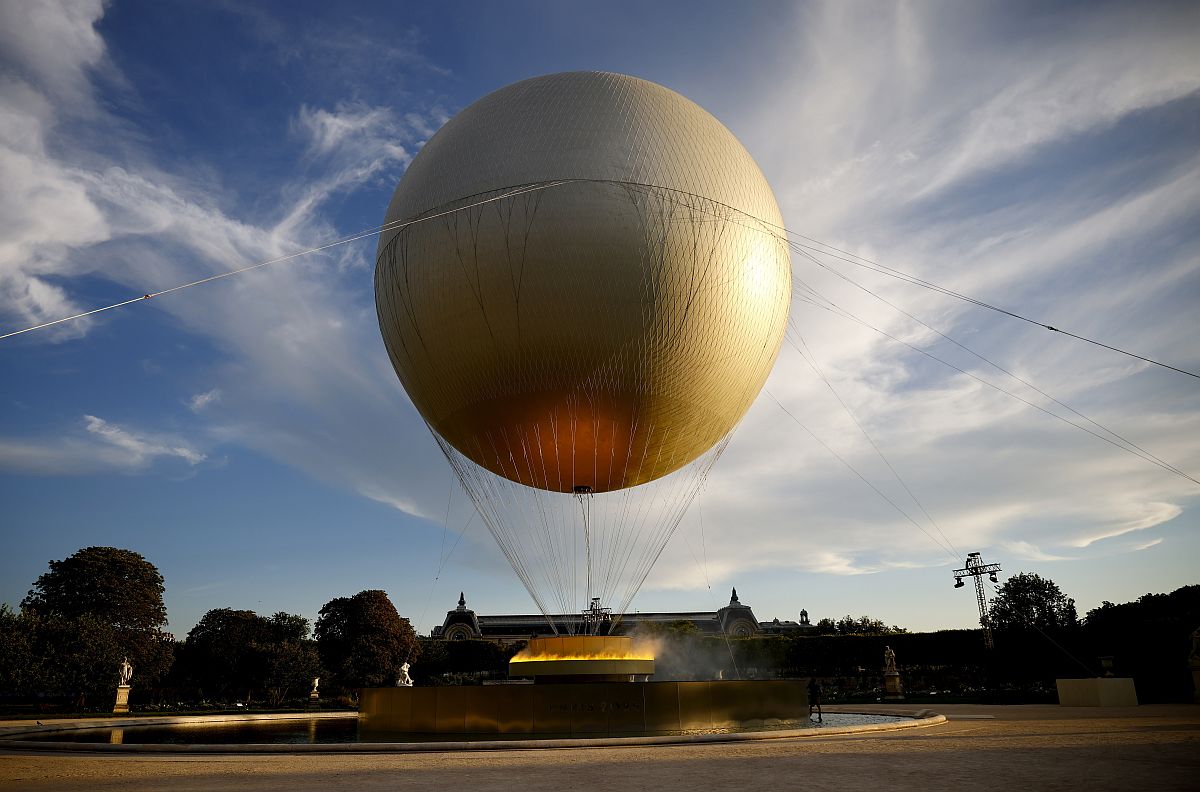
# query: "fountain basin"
[586,708]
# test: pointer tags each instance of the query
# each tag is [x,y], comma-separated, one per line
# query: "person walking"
[814,698]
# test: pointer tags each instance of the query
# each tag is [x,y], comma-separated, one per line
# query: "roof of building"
[735,618]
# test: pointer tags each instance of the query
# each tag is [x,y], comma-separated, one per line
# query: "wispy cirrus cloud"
[1001,167]
[96,445]
[1132,517]
[137,448]
[1028,551]
[293,339]
[201,400]
[51,53]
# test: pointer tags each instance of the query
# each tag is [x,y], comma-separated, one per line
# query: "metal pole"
[981,596]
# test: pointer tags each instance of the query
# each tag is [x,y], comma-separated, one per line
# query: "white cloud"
[55,44]
[101,446]
[51,48]
[328,130]
[304,377]
[983,166]
[202,400]
[138,448]
[1027,551]
[45,214]
[1133,517]
[1097,72]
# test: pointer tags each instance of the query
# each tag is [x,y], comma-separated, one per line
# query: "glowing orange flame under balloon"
[584,647]
[521,657]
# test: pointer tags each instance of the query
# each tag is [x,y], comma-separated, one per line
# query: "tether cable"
[866,263]
[396,224]
[824,249]
[837,310]
[950,552]
[1134,447]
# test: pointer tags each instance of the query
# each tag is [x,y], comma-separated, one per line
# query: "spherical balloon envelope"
[595,333]
[582,286]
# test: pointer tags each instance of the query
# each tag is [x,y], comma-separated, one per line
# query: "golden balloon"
[595,287]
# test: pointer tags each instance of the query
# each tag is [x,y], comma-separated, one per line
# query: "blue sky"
[250,439]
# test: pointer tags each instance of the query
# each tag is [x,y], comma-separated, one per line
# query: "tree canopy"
[1180,607]
[117,586]
[826,626]
[88,612]
[363,641]
[865,625]
[1028,601]
[231,653]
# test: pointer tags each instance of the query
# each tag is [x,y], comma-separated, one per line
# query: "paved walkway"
[1021,747]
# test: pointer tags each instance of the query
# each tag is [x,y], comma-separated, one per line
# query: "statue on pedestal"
[892,689]
[126,673]
[313,694]
[404,680]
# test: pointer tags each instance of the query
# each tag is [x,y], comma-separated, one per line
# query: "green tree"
[288,627]
[233,653]
[20,666]
[864,625]
[1028,601]
[678,628]
[94,608]
[221,653]
[118,586]
[363,641]
[288,667]
[58,656]
[683,627]
[826,626]
[1149,639]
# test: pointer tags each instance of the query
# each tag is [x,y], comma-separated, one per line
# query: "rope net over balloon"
[569,549]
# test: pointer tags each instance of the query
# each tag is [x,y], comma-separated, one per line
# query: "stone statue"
[404,680]
[889,660]
[316,681]
[126,671]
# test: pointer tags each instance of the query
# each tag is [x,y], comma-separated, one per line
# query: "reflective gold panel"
[586,708]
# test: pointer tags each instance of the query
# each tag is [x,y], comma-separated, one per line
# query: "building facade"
[736,620]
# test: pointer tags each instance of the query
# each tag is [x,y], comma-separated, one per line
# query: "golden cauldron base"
[581,658]
[583,709]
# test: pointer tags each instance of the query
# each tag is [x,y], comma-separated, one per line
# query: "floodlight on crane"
[976,568]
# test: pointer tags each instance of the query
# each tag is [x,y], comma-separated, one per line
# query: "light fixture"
[958,583]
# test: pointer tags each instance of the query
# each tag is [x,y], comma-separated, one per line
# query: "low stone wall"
[1098,692]
[602,708]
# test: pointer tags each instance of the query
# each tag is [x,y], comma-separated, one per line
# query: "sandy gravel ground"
[1022,748]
